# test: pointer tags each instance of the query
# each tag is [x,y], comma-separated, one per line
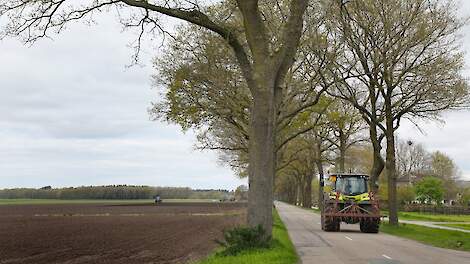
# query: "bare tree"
[412,158]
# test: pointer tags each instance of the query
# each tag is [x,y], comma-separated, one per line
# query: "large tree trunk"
[390,165]
[319,164]
[295,194]
[298,201]
[262,157]
[264,76]
[342,152]
[378,162]
[320,184]
[307,199]
[291,194]
[321,195]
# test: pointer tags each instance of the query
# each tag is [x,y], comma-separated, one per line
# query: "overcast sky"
[72,114]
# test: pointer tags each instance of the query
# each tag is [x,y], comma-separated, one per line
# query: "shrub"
[244,238]
[429,190]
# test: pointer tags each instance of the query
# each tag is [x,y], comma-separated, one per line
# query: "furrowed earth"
[113,233]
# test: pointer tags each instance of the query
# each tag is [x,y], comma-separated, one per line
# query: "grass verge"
[281,252]
[436,237]
[316,210]
[96,201]
[461,226]
[433,217]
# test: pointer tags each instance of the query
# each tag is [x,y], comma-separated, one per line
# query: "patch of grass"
[461,226]
[281,250]
[314,209]
[436,237]
[96,201]
[433,217]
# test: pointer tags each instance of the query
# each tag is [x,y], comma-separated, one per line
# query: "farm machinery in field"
[158,199]
[348,200]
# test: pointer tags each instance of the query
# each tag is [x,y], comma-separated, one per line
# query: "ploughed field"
[113,233]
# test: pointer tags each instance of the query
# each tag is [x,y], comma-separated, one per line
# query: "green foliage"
[286,188]
[429,189]
[432,236]
[244,238]
[281,250]
[443,166]
[464,198]
[315,190]
[406,194]
[383,190]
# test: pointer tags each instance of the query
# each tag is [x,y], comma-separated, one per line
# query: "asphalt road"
[350,246]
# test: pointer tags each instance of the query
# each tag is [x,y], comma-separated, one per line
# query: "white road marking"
[348,238]
[387,257]
[319,223]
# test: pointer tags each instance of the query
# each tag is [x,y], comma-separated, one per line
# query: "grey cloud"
[451,137]
[72,114]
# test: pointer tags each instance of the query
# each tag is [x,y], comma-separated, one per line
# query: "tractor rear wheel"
[331,224]
[370,226]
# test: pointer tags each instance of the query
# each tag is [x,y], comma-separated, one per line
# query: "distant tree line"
[112,192]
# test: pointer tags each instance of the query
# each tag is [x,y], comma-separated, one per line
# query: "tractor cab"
[349,186]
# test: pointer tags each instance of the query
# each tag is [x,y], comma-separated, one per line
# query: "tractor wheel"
[370,226]
[331,224]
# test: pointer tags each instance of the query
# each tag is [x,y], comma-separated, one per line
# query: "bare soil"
[104,233]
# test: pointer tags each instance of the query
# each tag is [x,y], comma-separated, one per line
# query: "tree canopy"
[430,190]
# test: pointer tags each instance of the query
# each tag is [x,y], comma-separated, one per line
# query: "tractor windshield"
[351,185]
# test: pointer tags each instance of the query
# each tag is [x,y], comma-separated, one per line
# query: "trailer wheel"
[369,226]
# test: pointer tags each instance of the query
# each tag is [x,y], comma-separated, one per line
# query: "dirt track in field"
[104,233]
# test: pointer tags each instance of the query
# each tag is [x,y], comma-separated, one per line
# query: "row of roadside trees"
[423,177]
[355,78]
[274,85]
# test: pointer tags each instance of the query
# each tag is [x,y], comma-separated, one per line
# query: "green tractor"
[348,200]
